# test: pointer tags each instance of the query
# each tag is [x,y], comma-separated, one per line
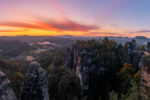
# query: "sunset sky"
[75,17]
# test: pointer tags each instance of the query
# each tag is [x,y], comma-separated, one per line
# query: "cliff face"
[6,92]
[145,81]
[82,70]
[69,59]
[96,64]
[145,76]
[82,63]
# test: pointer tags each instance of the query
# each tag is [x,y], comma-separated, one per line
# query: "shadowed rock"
[69,59]
[35,85]
[6,92]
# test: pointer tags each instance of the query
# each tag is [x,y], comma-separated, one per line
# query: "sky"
[125,18]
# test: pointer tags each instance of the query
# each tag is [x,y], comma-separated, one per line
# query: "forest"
[115,74]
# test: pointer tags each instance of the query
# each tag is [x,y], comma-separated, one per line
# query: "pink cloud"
[46,24]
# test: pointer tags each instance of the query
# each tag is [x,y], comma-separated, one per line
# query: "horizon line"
[64,35]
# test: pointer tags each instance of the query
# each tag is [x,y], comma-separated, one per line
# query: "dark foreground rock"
[6,92]
[35,86]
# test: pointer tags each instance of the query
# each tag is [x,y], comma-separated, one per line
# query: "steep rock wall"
[6,92]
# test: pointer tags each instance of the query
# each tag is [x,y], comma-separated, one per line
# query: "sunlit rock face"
[35,86]
[6,92]
[145,76]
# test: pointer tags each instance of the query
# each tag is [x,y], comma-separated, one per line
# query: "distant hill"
[141,37]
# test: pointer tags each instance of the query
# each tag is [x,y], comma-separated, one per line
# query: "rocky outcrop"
[6,92]
[69,59]
[148,46]
[131,46]
[145,76]
[92,63]
[82,62]
[35,86]
[76,57]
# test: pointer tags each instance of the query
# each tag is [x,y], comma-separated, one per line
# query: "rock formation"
[90,62]
[148,46]
[82,61]
[6,92]
[145,76]
[35,86]
[69,59]
[131,46]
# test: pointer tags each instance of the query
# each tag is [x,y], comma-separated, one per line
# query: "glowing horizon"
[124,18]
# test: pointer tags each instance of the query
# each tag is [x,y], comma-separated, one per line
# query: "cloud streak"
[142,31]
[49,25]
[9,30]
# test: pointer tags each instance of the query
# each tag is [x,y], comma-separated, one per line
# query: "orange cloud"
[21,25]
[11,30]
[49,25]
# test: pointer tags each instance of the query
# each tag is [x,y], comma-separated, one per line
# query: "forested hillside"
[108,69]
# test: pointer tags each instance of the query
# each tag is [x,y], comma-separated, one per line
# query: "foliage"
[113,95]
[20,75]
[141,47]
[63,85]
[15,71]
[132,94]
[118,80]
